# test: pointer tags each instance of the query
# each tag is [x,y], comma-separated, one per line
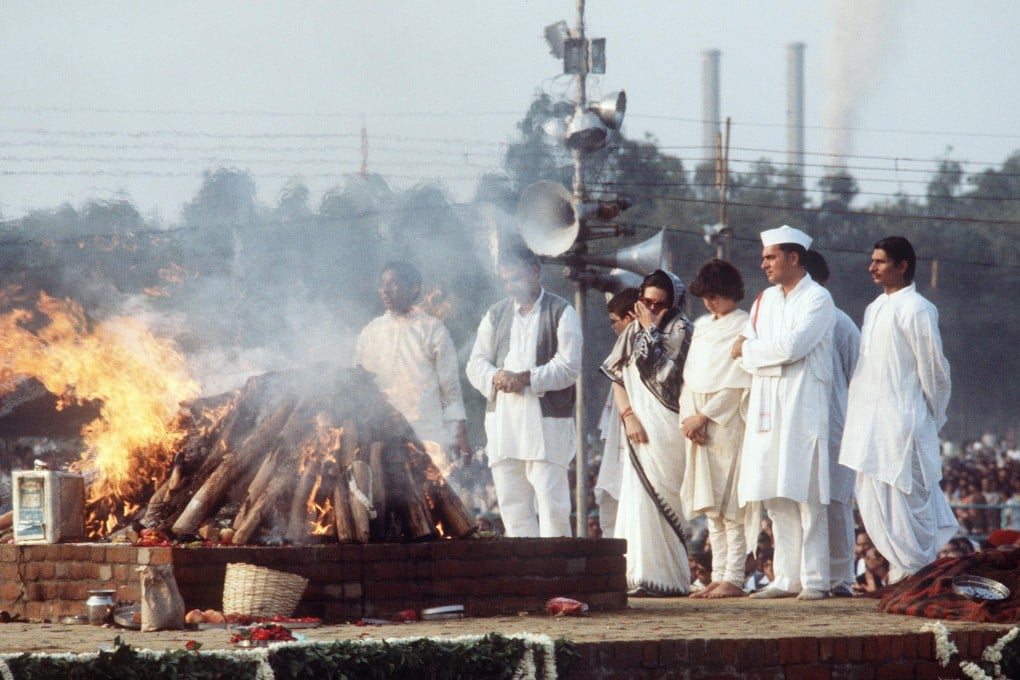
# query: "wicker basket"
[258,591]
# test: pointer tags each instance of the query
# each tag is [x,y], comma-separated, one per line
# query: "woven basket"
[258,591]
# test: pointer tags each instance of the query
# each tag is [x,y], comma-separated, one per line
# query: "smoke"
[862,34]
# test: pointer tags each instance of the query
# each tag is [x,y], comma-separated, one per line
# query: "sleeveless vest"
[555,403]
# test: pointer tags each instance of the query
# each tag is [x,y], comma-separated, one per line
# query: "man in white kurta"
[787,349]
[414,362]
[846,345]
[897,404]
[525,361]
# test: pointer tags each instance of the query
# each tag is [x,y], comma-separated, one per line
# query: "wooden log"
[228,469]
[361,505]
[376,450]
[6,520]
[420,524]
[450,511]
[343,520]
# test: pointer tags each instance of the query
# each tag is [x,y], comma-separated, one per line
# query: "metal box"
[49,507]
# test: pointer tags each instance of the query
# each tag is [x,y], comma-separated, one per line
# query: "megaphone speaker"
[546,219]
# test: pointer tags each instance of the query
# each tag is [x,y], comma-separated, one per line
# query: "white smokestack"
[710,100]
[795,107]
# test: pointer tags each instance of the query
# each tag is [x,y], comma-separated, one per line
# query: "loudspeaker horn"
[546,218]
[642,258]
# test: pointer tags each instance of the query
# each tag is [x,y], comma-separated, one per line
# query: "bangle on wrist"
[627,412]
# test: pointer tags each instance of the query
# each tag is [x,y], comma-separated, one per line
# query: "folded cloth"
[930,593]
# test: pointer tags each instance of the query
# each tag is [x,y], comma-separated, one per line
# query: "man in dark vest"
[525,360]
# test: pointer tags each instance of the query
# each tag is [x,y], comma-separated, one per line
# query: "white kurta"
[656,558]
[897,404]
[788,353]
[716,386]
[415,365]
[846,345]
[528,453]
[516,428]
[785,460]
[607,485]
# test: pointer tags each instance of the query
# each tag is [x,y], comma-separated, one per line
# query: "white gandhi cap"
[785,234]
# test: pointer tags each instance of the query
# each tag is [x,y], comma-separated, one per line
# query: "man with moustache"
[414,361]
[525,360]
[787,348]
[897,404]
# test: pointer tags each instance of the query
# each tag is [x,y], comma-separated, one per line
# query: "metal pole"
[580,412]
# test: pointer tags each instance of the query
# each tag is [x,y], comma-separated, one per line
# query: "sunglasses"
[653,304]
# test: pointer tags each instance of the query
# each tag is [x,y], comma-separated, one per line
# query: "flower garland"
[521,657]
[992,655]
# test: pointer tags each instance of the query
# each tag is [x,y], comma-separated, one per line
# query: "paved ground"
[643,619]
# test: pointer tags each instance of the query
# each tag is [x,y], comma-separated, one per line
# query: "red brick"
[75,591]
[808,673]
[825,647]
[722,652]
[895,648]
[786,652]
[11,591]
[750,654]
[840,653]
[894,671]
[928,670]
[854,649]
[650,654]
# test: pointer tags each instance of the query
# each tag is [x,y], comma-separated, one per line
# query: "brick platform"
[854,657]
[346,582]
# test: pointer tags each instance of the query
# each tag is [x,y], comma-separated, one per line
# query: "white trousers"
[841,545]
[801,533]
[533,497]
[729,549]
[607,514]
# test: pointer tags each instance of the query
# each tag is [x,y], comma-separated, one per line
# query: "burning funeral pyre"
[305,456]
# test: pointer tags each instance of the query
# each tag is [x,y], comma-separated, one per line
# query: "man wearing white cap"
[787,349]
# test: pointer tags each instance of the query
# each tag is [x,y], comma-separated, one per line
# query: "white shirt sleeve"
[481,365]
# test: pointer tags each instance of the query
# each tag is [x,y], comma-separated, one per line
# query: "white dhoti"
[907,529]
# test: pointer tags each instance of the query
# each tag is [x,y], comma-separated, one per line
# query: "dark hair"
[405,272]
[795,248]
[900,250]
[622,303]
[513,254]
[718,277]
[660,279]
[816,266]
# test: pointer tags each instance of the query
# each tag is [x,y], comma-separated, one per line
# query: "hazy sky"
[139,97]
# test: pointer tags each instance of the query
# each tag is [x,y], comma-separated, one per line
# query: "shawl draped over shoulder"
[658,352]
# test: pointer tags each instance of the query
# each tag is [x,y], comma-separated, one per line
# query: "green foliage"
[125,663]
[492,656]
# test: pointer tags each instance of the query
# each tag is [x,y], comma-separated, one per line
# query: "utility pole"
[722,174]
[580,297]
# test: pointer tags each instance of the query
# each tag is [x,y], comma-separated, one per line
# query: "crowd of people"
[779,451]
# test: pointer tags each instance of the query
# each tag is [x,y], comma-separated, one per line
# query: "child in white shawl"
[713,406]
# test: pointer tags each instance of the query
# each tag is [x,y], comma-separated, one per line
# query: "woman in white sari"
[646,367]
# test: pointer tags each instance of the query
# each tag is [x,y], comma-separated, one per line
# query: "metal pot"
[99,606]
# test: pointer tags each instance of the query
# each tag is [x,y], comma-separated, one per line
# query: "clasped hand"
[509,381]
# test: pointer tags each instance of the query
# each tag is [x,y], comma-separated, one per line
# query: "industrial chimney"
[710,100]
[795,107]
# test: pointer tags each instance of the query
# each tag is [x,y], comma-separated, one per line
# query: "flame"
[138,381]
[437,303]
